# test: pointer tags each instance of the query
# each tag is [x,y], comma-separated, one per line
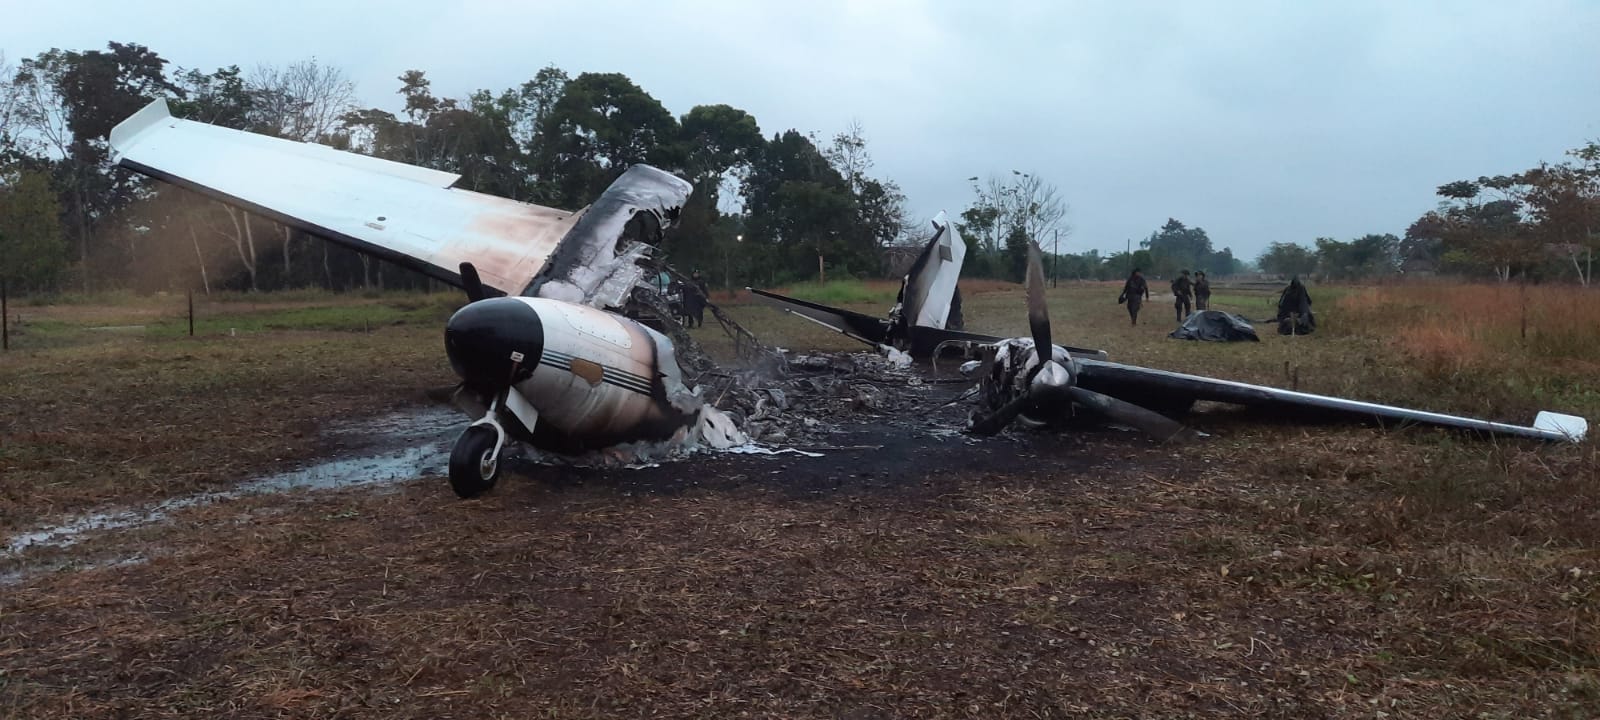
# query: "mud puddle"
[390,449]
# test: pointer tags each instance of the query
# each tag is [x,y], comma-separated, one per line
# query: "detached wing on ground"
[1164,390]
[408,215]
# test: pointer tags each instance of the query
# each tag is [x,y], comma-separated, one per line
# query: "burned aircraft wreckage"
[564,344]
[1017,384]
[550,349]
[926,316]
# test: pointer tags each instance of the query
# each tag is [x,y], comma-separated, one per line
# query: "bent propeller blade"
[1150,422]
[472,283]
[1038,312]
[999,419]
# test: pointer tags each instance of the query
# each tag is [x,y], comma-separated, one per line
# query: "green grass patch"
[845,292]
[338,318]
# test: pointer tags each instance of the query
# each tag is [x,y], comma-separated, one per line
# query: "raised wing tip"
[1573,427]
[123,134]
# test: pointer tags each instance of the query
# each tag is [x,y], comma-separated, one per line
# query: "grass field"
[1273,569]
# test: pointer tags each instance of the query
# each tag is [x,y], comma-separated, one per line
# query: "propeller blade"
[999,419]
[1038,313]
[1122,412]
[472,283]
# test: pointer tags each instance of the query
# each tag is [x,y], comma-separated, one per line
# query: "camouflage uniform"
[1134,292]
[1181,289]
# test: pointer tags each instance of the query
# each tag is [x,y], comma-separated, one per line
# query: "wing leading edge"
[409,215]
[1160,387]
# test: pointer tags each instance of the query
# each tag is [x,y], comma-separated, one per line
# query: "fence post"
[5,318]
[191,313]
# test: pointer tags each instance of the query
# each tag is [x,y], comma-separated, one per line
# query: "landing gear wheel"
[473,464]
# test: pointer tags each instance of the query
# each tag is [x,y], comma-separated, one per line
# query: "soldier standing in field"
[1202,291]
[1134,292]
[1181,288]
[695,296]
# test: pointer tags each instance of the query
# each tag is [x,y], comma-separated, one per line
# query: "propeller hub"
[485,339]
[1051,377]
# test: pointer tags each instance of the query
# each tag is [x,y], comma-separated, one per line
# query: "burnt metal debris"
[1017,381]
[587,352]
[926,318]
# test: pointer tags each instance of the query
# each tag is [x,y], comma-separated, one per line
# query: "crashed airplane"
[550,353]
[545,349]
[1016,383]
[926,316]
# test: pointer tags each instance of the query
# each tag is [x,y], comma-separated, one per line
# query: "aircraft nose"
[482,338]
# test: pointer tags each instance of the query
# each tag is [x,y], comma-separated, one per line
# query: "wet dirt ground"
[883,449]
[908,571]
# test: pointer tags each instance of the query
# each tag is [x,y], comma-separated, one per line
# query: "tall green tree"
[717,139]
[218,98]
[1484,225]
[65,104]
[1369,256]
[1563,203]
[801,209]
[719,142]
[1290,259]
[1002,205]
[602,124]
[1177,247]
[33,253]
[880,206]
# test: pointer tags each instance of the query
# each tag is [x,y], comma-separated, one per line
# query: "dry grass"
[94,417]
[1274,570]
[1462,325]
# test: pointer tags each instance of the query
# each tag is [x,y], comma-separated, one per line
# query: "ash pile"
[809,399]
[776,397]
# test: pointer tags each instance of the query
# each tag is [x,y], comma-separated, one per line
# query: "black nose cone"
[485,339]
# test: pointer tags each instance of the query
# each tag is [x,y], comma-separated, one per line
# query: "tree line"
[70,220]
[767,209]
[1542,224]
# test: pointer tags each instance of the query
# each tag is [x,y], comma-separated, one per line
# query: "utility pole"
[1127,252]
[822,273]
[1055,256]
[5,318]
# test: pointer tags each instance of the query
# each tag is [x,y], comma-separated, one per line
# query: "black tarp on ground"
[1216,326]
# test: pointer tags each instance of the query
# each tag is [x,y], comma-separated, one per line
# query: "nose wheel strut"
[475,459]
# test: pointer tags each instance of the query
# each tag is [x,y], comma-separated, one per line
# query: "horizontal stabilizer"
[865,328]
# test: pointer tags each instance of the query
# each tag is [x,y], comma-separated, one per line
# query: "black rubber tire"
[467,459]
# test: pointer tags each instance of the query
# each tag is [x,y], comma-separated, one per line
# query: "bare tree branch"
[301,101]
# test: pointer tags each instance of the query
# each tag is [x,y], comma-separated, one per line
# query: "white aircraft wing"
[404,214]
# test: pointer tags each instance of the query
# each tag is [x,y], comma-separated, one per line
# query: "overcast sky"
[1258,121]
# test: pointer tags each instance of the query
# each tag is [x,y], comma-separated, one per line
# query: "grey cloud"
[1260,121]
